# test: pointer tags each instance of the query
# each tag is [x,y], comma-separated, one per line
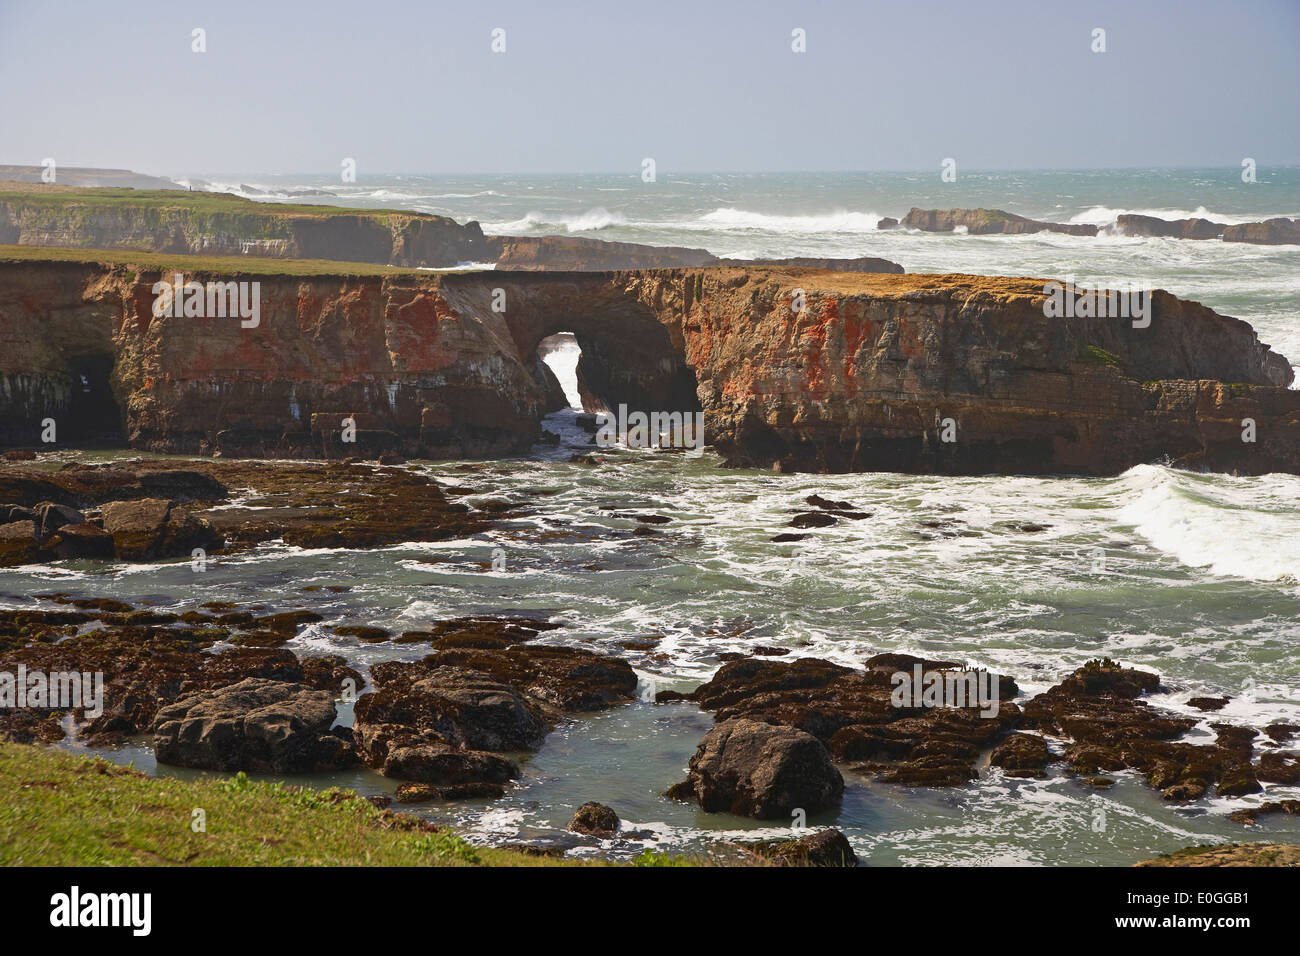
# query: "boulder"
[462,708]
[51,516]
[81,541]
[17,543]
[1021,755]
[147,529]
[595,819]
[257,724]
[754,769]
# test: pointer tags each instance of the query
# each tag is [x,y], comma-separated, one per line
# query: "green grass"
[1092,355]
[67,197]
[197,265]
[57,809]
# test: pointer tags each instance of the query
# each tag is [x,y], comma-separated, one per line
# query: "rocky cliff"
[218,224]
[952,374]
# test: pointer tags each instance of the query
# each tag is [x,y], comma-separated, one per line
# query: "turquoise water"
[1194,576]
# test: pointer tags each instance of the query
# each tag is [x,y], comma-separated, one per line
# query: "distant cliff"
[219,224]
[945,374]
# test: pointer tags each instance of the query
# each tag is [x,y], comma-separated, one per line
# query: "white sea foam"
[1236,527]
[843,221]
[592,220]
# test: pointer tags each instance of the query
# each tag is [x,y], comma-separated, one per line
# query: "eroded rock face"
[946,374]
[760,770]
[260,725]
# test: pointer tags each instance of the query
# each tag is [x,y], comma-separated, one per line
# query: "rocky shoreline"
[215,688]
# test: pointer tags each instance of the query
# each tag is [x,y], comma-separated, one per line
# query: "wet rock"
[1279,766]
[85,541]
[151,528]
[1250,815]
[595,819]
[887,222]
[1021,755]
[256,724]
[826,848]
[759,770]
[813,519]
[459,707]
[50,516]
[364,633]
[817,501]
[1208,703]
[397,752]
[788,536]
[17,543]
[423,792]
[1270,232]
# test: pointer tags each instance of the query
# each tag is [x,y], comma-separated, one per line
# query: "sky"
[409,87]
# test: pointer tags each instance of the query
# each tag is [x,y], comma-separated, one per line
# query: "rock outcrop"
[984,222]
[1135,225]
[760,770]
[262,725]
[1270,232]
[800,369]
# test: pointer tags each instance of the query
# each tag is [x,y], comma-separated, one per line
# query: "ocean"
[1194,576]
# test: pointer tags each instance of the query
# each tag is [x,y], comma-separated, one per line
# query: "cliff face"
[215,224]
[874,374]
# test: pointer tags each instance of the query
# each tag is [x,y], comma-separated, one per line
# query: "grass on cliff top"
[57,809]
[113,197]
[221,265]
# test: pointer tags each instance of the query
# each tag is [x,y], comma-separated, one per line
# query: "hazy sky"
[410,87]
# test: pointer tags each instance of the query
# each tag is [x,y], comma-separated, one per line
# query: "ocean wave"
[842,221]
[1233,527]
[1106,215]
[592,220]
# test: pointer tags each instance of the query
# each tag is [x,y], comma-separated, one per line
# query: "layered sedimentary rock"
[980,222]
[1134,225]
[802,369]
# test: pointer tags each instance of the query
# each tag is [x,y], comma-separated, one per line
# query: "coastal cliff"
[946,374]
